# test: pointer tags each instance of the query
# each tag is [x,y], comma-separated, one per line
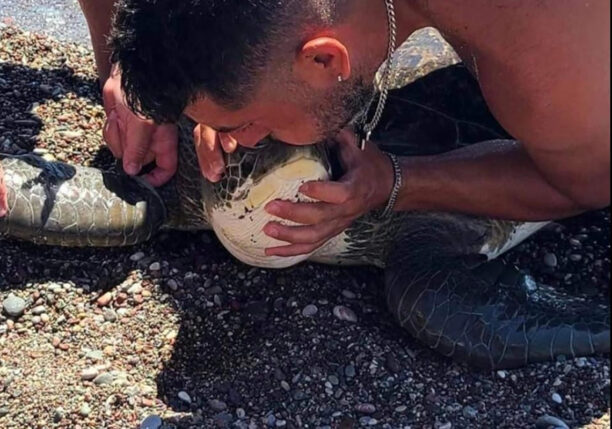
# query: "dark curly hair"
[172,51]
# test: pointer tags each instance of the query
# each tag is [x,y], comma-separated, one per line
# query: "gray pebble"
[136,288]
[4,411]
[365,408]
[110,315]
[184,396]
[344,313]
[333,380]
[155,266]
[581,362]
[58,414]
[285,386]
[13,305]
[89,373]
[310,310]
[137,256]
[85,410]
[550,259]
[469,412]
[38,310]
[557,398]
[348,294]
[575,257]
[223,419]
[217,405]
[104,378]
[151,422]
[548,422]
[349,371]
[240,413]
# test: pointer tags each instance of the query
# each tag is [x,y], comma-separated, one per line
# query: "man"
[300,70]
[136,140]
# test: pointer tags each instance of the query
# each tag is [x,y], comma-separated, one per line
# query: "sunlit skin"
[540,82]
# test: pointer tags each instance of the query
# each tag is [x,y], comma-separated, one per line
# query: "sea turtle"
[442,281]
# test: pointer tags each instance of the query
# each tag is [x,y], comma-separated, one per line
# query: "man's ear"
[321,62]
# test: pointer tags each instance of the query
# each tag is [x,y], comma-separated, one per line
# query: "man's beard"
[336,109]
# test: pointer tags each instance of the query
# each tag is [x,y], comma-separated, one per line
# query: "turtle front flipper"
[487,314]
[59,204]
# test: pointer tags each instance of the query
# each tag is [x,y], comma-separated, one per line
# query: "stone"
[550,260]
[548,422]
[217,405]
[89,373]
[152,422]
[85,409]
[138,256]
[557,398]
[38,310]
[310,310]
[105,299]
[184,396]
[365,408]
[103,378]
[13,305]
[345,314]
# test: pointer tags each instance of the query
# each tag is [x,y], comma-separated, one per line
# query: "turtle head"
[236,205]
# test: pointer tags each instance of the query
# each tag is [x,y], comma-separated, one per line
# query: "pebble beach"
[175,333]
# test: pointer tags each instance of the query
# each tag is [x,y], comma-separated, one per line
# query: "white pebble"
[137,256]
[184,396]
[557,398]
[155,266]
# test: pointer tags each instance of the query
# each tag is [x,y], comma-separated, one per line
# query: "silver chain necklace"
[365,129]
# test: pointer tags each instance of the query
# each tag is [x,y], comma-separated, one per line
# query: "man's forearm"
[98,14]
[496,179]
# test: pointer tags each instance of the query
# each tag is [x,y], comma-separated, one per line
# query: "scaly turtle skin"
[443,284]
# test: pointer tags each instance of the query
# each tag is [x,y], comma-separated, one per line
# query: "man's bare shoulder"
[538,62]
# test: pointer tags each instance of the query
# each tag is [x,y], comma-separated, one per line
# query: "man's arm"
[129,137]
[98,14]
[544,69]
[494,178]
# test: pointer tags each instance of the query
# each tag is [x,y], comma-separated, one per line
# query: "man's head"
[247,67]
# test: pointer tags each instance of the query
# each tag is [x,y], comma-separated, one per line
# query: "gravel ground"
[106,338]
[61,19]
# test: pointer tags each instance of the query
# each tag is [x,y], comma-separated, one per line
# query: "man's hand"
[209,147]
[366,185]
[136,140]
[3,202]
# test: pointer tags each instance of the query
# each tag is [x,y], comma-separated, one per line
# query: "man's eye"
[246,127]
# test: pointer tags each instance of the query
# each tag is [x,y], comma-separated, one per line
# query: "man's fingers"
[210,154]
[328,192]
[303,234]
[3,201]
[305,213]
[164,147]
[111,135]
[136,136]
